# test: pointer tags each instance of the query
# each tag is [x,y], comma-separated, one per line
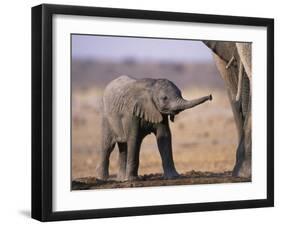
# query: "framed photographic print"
[145,112]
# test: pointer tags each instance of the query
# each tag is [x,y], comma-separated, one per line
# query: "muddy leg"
[243,166]
[240,156]
[163,135]
[107,146]
[134,143]
[122,161]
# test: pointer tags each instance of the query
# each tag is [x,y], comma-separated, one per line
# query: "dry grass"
[204,138]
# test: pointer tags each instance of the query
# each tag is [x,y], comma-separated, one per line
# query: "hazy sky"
[143,49]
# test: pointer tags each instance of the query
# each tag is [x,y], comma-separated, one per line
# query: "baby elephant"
[132,109]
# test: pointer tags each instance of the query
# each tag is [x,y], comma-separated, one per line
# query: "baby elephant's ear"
[146,109]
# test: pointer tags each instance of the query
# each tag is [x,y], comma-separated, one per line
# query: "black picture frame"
[42,107]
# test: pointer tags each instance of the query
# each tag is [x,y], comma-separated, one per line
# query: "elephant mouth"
[167,112]
[172,114]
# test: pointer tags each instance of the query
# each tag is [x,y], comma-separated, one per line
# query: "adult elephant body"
[233,61]
[133,109]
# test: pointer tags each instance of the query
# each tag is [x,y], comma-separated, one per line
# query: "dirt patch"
[148,180]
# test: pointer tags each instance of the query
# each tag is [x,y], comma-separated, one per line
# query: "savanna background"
[204,138]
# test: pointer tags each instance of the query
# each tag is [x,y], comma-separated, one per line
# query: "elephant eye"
[164,97]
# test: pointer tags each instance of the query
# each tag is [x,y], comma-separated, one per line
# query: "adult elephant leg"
[240,156]
[163,135]
[107,146]
[122,161]
[133,146]
[243,169]
[225,52]
[246,168]
[245,53]
[243,166]
[231,83]
[243,159]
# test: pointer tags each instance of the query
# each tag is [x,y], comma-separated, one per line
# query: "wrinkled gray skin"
[133,109]
[241,104]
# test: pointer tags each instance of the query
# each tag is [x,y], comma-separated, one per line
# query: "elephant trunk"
[183,104]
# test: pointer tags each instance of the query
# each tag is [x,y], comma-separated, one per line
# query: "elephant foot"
[102,177]
[121,177]
[102,174]
[243,169]
[132,178]
[171,175]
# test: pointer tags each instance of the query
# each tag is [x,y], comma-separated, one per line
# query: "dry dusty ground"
[149,180]
[204,143]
